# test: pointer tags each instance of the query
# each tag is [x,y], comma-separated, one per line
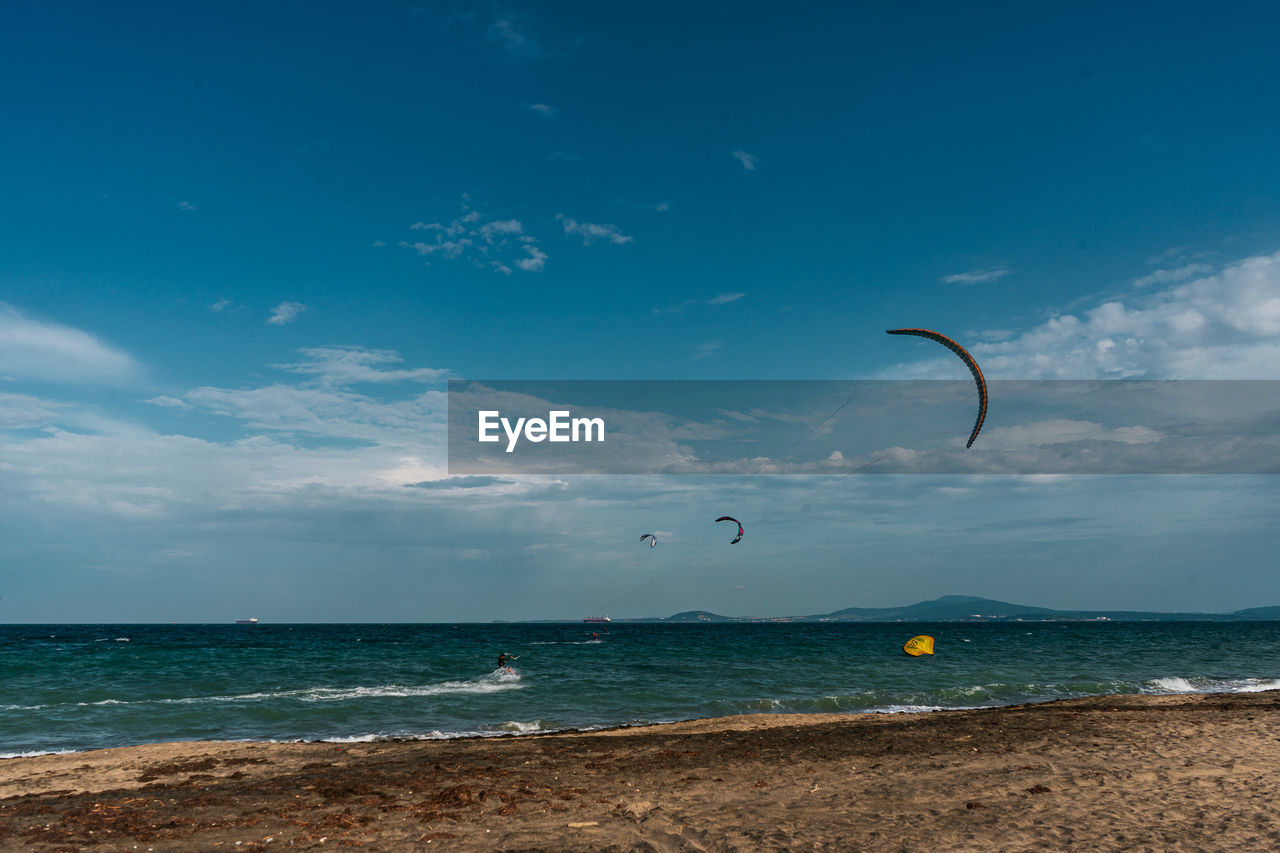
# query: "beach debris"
[921,645]
[737,538]
[969,362]
[579,824]
[653,540]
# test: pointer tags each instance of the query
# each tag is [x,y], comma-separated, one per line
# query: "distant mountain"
[1262,614]
[968,608]
[948,608]
[700,616]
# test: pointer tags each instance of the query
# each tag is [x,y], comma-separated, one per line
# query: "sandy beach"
[1113,773]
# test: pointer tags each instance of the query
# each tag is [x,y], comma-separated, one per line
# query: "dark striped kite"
[969,362]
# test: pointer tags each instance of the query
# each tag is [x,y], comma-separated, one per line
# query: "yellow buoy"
[916,646]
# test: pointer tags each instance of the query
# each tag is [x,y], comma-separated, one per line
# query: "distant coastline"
[947,608]
[968,608]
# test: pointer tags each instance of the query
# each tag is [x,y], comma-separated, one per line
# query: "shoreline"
[1108,772]
[612,728]
[354,740]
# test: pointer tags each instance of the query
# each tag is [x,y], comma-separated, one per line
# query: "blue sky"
[242,247]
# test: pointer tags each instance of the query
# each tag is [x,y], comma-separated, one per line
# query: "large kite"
[969,362]
[737,538]
[916,646]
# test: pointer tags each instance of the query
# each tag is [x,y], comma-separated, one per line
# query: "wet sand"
[1109,773]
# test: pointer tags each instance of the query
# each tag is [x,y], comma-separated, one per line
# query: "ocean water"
[76,687]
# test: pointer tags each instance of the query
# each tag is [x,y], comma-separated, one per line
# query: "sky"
[244,247]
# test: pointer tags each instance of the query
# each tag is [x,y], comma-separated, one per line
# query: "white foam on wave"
[511,727]
[523,728]
[479,686]
[493,683]
[974,690]
[496,682]
[1176,684]
[906,709]
[35,753]
[1172,685]
[1259,685]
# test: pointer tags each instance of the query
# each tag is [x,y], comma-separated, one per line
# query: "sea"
[66,688]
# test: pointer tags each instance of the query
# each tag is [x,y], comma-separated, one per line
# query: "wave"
[1176,684]
[990,695]
[511,727]
[495,682]
[595,642]
[35,753]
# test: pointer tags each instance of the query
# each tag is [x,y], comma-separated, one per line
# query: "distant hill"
[948,608]
[700,616]
[1262,614]
[968,608]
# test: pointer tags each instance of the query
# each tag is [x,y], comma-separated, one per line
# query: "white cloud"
[20,411]
[498,244]
[338,365]
[493,231]
[976,276]
[748,161]
[1178,274]
[722,299]
[1172,253]
[220,306]
[707,349]
[285,313]
[544,110]
[1178,255]
[50,352]
[1220,326]
[168,402]
[510,30]
[1065,431]
[725,298]
[590,231]
[186,205]
[536,261]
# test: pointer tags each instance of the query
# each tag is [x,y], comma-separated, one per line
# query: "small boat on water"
[595,620]
[253,620]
